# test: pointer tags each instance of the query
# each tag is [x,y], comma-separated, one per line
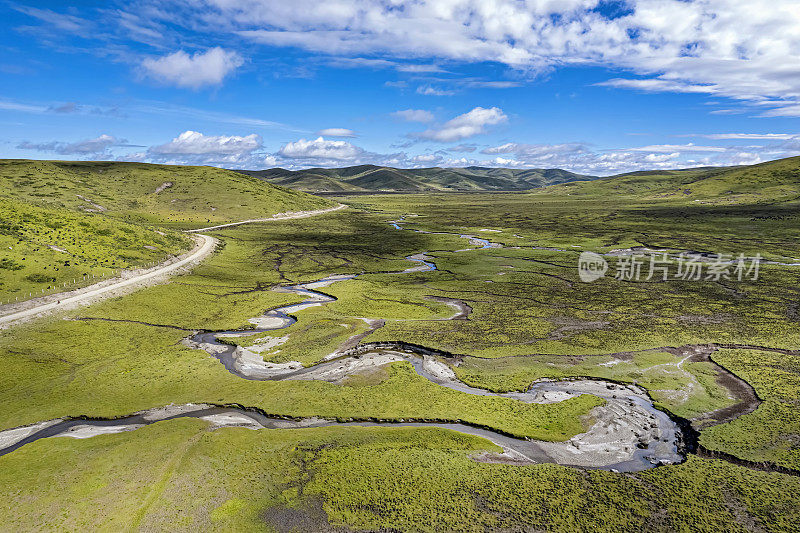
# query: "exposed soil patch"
[463,310]
[164,186]
[355,340]
[717,318]
[96,208]
[570,326]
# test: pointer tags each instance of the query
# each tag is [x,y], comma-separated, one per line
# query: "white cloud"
[504,162]
[88,147]
[414,115]
[21,107]
[727,112]
[658,85]
[419,69]
[60,21]
[666,148]
[751,136]
[467,125]
[322,152]
[359,62]
[581,158]
[320,148]
[427,90]
[426,159]
[337,132]
[195,143]
[743,49]
[536,151]
[193,71]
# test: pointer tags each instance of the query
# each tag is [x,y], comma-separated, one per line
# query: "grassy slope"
[374,178]
[61,221]
[766,183]
[198,195]
[45,247]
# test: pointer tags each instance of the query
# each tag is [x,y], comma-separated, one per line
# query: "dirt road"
[279,216]
[68,300]
[89,294]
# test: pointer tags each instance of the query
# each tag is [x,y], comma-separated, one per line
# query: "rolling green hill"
[61,222]
[765,183]
[159,194]
[366,178]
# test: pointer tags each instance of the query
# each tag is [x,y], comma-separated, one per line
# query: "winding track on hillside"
[205,245]
[279,216]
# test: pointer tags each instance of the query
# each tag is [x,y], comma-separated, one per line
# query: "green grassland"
[532,302]
[53,366]
[47,247]
[531,318]
[188,478]
[770,433]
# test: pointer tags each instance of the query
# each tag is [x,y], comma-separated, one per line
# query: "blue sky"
[597,87]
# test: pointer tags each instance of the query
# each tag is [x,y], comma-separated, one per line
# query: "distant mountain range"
[371,178]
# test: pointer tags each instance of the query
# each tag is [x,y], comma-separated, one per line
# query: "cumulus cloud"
[414,115]
[195,143]
[336,132]
[467,125]
[247,151]
[87,147]
[320,148]
[321,152]
[193,71]
[426,159]
[195,148]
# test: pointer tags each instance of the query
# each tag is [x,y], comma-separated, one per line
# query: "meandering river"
[628,433]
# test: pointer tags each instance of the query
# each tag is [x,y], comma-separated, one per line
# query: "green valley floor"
[493,303]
